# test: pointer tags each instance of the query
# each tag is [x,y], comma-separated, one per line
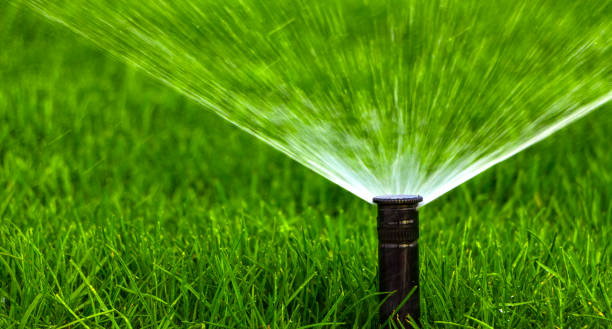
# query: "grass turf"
[123,205]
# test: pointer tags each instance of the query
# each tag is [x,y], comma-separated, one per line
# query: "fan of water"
[380,97]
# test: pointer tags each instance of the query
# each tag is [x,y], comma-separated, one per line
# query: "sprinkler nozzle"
[398,257]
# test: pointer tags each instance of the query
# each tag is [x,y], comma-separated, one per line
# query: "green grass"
[123,205]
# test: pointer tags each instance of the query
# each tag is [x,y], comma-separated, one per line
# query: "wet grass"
[123,205]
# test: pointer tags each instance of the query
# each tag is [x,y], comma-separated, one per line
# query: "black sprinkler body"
[398,257]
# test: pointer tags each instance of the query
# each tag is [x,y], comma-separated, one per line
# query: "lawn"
[125,205]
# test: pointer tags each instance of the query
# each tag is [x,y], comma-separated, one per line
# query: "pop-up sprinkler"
[398,258]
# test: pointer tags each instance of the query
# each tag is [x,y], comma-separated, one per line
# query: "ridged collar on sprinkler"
[398,199]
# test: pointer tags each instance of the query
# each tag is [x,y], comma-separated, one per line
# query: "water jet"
[398,258]
[359,91]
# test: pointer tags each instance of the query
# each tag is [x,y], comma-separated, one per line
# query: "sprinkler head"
[398,257]
[398,199]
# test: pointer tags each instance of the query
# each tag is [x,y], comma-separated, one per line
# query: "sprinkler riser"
[398,258]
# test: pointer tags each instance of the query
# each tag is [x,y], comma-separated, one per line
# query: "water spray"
[398,258]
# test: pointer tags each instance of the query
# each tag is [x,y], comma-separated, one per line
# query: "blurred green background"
[124,205]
